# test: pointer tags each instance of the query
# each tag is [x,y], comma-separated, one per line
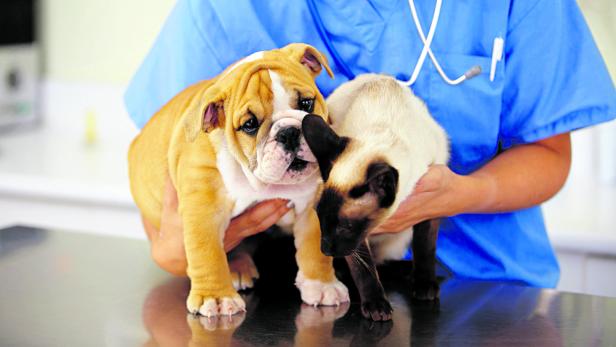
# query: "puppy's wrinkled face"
[268,128]
[278,152]
[259,103]
[359,187]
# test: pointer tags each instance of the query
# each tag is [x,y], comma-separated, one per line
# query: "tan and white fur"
[219,141]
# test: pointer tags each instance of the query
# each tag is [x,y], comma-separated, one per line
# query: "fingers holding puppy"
[254,220]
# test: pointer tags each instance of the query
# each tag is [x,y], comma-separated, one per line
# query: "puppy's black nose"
[289,138]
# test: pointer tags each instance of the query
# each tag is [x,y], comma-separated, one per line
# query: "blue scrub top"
[551,80]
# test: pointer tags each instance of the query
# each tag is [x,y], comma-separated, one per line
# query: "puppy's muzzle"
[285,157]
[290,138]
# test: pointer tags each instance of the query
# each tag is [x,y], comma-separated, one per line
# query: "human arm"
[518,178]
[168,242]
[554,82]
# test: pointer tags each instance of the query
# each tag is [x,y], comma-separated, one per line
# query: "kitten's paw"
[377,309]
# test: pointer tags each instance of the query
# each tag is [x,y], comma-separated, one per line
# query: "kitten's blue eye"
[306,105]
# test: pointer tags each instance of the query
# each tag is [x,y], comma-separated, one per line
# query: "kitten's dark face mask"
[346,215]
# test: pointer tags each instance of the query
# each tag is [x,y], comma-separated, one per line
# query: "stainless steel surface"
[69,289]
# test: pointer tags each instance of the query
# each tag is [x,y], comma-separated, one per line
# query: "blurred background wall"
[601,17]
[104,41]
[98,40]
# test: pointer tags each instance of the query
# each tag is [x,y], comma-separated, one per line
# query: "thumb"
[430,181]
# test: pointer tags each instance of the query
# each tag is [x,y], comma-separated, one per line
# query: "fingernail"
[290,204]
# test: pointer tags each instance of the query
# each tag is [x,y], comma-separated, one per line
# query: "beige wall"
[99,40]
[105,40]
[601,18]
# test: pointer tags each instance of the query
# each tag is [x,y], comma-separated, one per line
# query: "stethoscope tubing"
[427,51]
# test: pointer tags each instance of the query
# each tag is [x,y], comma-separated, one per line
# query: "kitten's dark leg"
[374,304]
[425,286]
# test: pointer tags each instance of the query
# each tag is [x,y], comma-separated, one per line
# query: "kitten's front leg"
[374,303]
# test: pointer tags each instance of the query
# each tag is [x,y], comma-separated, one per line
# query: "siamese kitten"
[381,142]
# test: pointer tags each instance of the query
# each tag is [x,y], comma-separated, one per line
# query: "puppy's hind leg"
[315,279]
[243,269]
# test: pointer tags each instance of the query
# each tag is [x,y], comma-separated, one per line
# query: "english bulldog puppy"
[226,144]
[383,140]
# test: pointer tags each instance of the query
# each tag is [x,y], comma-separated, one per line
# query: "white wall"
[601,18]
[105,40]
[99,40]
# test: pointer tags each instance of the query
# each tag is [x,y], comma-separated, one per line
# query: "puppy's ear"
[382,179]
[204,114]
[324,143]
[308,56]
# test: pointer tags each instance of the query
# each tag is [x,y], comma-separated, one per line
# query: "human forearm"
[168,241]
[519,178]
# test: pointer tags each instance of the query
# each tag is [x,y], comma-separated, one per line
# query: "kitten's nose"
[289,138]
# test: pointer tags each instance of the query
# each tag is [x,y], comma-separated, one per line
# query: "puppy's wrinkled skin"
[226,144]
[381,142]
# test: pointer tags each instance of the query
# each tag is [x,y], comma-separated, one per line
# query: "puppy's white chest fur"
[246,193]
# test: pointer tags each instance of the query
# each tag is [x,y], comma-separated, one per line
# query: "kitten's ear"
[382,179]
[324,143]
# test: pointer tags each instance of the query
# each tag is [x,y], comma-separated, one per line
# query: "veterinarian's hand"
[254,220]
[520,177]
[168,242]
[436,194]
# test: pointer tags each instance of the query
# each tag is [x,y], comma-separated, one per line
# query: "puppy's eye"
[306,105]
[251,126]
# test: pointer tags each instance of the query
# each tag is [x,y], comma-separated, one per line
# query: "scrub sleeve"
[556,80]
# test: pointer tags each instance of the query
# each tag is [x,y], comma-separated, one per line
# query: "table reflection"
[264,323]
[68,289]
[469,312]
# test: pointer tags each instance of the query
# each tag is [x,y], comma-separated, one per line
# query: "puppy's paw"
[377,309]
[213,331]
[426,290]
[310,316]
[315,292]
[210,306]
[243,271]
[200,324]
